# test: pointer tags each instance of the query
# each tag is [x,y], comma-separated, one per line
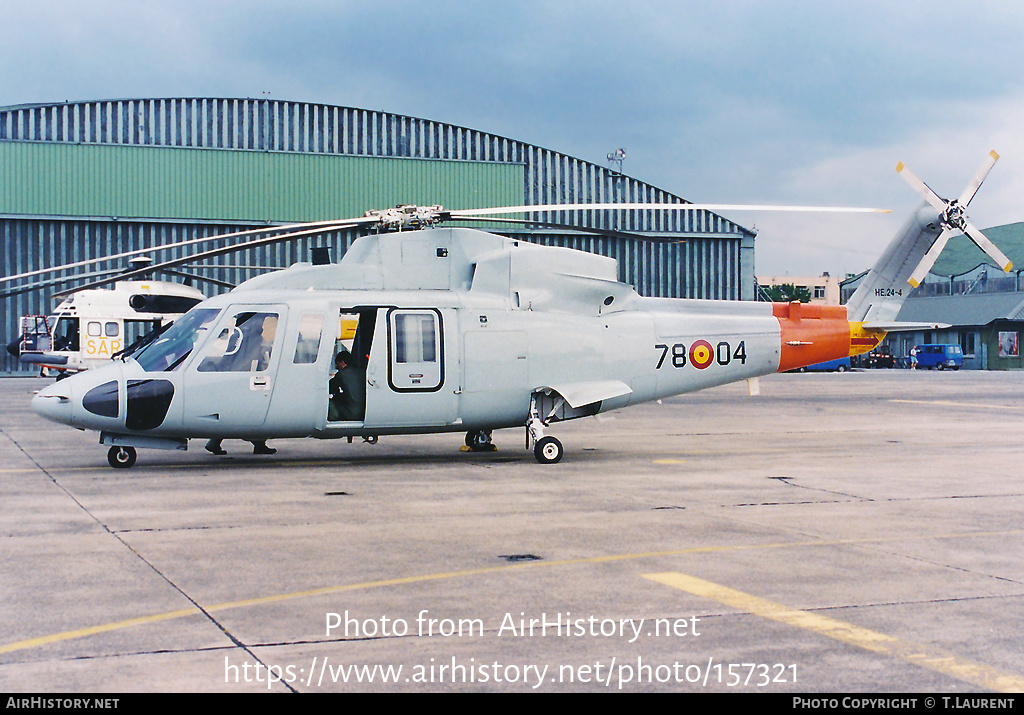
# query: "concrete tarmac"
[859,532]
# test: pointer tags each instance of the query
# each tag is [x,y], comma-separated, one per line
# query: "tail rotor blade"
[920,187]
[951,215]
[929,258]
[972,188]
[982,242]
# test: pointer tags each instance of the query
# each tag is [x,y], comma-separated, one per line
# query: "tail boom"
[811,333]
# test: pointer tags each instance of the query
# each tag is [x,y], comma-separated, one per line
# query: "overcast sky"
[810,102]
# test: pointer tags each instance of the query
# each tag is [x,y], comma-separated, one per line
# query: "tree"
[786,293]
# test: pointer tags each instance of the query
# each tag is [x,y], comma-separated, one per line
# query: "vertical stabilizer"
[882,291]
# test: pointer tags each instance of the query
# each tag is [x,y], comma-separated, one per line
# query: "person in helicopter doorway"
[348,390]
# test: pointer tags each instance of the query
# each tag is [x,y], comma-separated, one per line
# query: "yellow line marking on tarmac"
[959,668]
[93,630]
[949,403]
[327,590]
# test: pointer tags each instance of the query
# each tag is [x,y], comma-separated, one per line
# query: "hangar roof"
[962,310]
[962,256]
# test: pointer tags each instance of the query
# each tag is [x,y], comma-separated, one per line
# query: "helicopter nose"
[54,403]
[88,400]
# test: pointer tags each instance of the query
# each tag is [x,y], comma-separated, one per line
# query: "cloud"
[733,101]
[944,156]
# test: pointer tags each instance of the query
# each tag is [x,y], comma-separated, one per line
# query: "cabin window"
[415,338]
[110,329]
[94,329]
[310,329]
[416,357]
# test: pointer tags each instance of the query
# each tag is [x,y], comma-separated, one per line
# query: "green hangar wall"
[89,179]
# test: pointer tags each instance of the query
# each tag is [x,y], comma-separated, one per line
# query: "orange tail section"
[811,333]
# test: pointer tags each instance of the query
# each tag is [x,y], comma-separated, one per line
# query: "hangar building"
[80,180]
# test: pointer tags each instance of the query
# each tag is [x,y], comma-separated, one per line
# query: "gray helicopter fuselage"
[465,328]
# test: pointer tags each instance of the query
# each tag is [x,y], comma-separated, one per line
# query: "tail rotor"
[953,219]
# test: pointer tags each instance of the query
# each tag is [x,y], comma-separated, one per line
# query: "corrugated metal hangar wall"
[88,179]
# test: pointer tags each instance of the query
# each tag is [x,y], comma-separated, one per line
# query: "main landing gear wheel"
[548,450]
[479,441]
[121,457]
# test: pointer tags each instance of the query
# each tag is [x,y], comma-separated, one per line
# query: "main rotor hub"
[407,217]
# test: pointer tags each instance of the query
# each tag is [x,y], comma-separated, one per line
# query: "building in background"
[82,180]
[983,306]
[823,289]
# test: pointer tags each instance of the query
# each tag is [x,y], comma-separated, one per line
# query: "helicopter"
[462,330]
[91,326]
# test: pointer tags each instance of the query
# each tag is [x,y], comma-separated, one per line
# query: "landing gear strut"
[547,450]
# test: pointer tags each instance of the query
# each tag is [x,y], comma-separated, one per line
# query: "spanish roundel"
[701,354]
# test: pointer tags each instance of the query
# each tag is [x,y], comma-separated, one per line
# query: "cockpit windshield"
[169,350]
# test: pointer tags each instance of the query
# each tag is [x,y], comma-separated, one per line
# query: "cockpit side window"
[246,344]
[65,334]
[169,350]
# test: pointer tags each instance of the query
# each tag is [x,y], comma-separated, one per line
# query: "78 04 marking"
[701,354]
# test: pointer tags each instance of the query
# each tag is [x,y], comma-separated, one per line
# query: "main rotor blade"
[920,187]
[41,284]
[196,277]
[325,226]
[570,227]
[658,207]
[929,258]
[982,242]
[979,176]
[216,252]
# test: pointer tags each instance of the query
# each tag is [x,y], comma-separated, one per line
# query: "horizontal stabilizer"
[896,327]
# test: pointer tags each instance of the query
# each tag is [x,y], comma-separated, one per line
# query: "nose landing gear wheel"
[121,457]
[548,450]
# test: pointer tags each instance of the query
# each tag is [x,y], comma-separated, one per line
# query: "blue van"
[940,356]
[839,365]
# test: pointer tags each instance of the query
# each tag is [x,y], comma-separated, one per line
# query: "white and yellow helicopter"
[460,330]
[91,326]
